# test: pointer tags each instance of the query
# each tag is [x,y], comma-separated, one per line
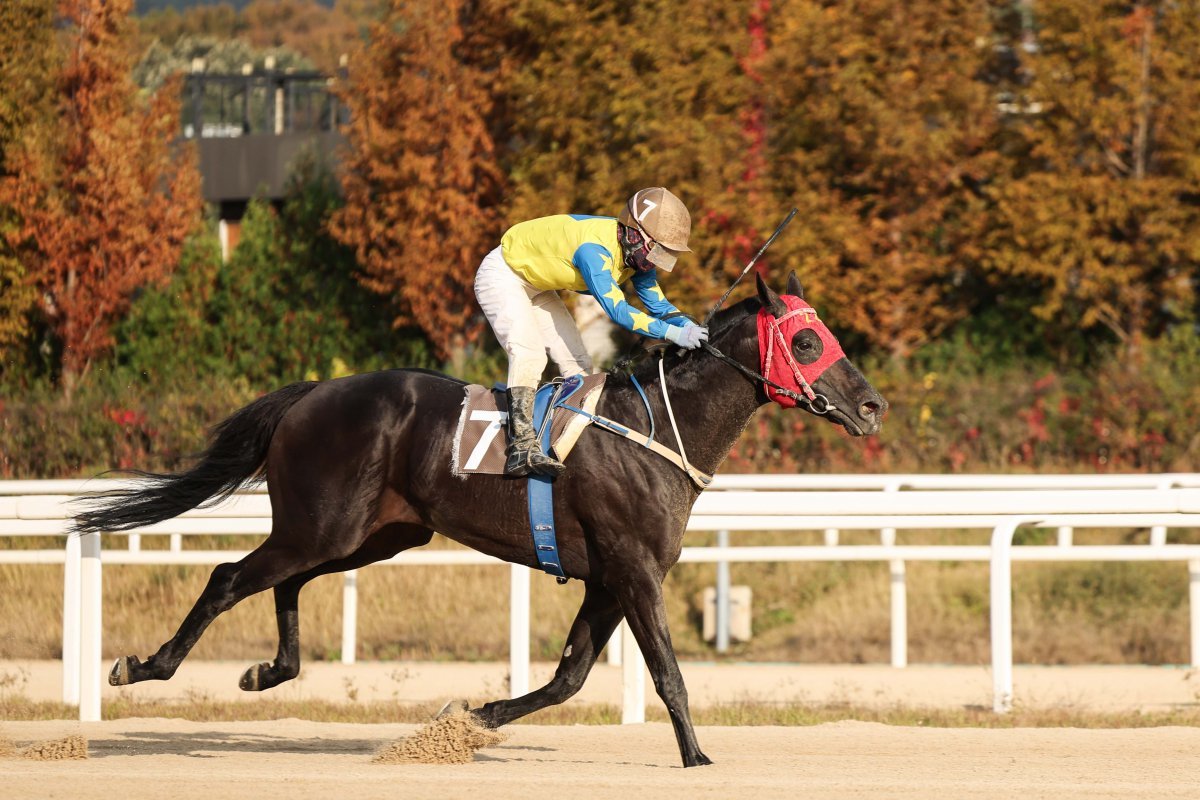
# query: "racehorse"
[359,469]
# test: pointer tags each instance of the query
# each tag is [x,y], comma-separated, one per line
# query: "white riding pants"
[528,323]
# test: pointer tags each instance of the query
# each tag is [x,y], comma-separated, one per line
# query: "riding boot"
[525,456]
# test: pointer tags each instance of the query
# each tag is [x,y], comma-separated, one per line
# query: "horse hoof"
[453,708]
[250,680]
[119,675]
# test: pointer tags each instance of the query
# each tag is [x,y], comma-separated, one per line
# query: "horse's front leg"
[594,624]
[640,595]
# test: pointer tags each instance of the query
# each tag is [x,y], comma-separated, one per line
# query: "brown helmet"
[663,217]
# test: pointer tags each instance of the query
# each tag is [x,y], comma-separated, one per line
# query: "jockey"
[517,286]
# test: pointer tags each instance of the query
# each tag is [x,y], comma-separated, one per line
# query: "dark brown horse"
[359,469]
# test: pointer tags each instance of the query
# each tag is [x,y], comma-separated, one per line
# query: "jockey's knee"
[525,367]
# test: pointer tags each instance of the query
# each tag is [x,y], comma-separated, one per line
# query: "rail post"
[613,647]
[518,630]
[633,683]
[1194,603]
[72,606]
[1158,534]
[91,618]
[899,587]
[899,595]
[349,616]
[1001,596]
[1066,535]
[722,599]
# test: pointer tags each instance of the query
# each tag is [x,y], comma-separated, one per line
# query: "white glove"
[688,336]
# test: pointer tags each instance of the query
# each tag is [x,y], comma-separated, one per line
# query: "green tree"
[286,306]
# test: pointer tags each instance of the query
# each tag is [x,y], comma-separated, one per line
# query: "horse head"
[803,364]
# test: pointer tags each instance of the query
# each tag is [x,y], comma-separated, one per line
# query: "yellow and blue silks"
[581,253]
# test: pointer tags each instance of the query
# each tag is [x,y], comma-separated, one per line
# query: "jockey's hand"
[688,336]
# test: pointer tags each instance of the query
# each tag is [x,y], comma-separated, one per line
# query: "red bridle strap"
[775,336]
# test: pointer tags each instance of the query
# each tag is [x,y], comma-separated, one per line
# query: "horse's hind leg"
[272,563]
[594,624]
[385,543]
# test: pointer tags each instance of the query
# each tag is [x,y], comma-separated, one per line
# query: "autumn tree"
[26,80]
[421,182]
[607,102]
[1097,221]
[107,200]
[882,133]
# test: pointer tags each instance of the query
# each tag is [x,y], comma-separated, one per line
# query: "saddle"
[480,438]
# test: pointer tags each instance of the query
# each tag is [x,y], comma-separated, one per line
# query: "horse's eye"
[807,346]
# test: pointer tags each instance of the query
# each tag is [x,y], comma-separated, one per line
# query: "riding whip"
[750,266]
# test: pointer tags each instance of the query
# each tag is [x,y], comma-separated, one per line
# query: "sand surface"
[299,760]
[1094,688]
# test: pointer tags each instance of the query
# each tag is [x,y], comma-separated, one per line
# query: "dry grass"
[817,613]
[17,709]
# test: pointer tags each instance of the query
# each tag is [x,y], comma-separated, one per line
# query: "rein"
[818,404]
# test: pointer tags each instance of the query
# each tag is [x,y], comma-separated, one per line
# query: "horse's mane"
[683,365]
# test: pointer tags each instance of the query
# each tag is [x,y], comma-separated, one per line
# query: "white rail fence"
[884,503]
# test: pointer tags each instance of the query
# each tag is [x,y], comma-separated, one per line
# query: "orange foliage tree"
[420,179]
[106,201]
[1097,219]
[883,134]
[617,96]
[26,81]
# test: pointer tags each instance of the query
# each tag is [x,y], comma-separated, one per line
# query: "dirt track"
[300,760]
[305,760]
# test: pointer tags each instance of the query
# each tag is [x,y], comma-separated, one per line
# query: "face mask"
[637,255]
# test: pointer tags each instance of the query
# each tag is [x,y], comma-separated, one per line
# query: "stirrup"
[522,462]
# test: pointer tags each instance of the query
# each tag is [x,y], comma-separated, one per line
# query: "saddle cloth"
[482,433]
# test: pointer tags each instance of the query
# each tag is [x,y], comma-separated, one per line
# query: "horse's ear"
[769,299]
[793,286]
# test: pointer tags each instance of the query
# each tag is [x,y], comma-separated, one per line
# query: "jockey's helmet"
[662,218]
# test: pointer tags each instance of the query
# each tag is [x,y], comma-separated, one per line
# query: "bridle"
[818,404]
[815,402]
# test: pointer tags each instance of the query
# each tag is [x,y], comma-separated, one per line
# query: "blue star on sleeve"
[593,260]
[652,297]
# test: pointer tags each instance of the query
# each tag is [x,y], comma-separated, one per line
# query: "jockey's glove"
[688,336]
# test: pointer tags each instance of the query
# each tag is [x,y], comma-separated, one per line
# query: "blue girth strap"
[541,487]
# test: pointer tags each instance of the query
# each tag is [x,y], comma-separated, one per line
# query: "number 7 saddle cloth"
[482,430]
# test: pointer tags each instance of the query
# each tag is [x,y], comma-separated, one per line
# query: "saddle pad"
[481,436]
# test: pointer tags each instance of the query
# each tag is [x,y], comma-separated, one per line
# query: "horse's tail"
[236,452]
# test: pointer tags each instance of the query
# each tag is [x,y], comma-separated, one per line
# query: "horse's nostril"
[868,410]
